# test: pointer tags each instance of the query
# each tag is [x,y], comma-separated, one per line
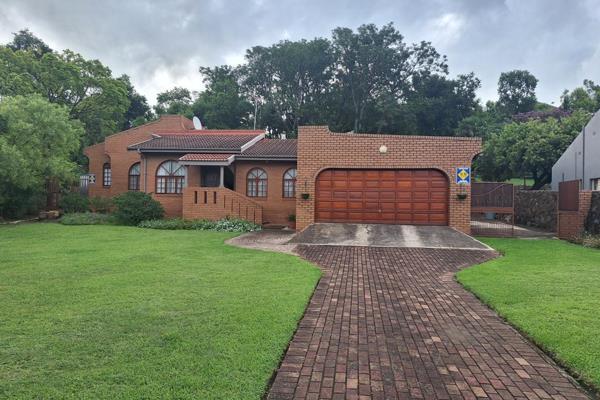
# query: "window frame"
[255,183]
[172,183]
[106,175]
[595,184]
[134,177]
[289,181]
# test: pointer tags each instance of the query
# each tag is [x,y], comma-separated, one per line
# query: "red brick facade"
[319,149]
[274,208]
[114,151]
[571,224]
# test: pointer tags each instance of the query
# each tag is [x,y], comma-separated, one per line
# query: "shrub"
[73,202]
[589,240]
[86,218]
[224,225]
[100,204]
[131,208]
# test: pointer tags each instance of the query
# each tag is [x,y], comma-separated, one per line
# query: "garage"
[382,196]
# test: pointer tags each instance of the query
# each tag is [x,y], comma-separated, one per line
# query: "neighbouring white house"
[581,160]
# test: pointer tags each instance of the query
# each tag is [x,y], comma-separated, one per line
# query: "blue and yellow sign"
[463,175]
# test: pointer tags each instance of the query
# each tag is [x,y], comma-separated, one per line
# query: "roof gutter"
[208,162]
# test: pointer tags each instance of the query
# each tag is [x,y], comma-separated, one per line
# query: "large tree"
[37,142]
[516,91]
[139,112]
[291,79]
[25,40]
[586,97]
[483,123]
[221,105]
[174,101]
[86,87]
[529,148]
[439,104]
[376,62]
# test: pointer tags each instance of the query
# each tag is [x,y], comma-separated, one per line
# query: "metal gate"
[493,209]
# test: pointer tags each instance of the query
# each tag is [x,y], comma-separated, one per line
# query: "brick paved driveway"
[391,323]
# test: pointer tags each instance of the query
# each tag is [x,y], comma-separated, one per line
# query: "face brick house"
[321,177]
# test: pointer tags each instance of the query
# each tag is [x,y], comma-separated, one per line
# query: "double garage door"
[416,197]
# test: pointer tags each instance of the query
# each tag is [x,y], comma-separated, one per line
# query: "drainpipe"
[583,162]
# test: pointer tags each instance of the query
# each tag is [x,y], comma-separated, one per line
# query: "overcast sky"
[160,44]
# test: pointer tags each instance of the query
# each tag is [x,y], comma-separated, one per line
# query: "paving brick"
[391,323]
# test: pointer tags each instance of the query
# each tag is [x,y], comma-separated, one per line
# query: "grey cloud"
[161,43]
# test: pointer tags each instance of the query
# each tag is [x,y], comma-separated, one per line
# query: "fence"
[492,209]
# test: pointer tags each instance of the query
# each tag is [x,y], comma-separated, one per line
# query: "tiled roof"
[195,142]
[226,132]
[206,157]
[271,148]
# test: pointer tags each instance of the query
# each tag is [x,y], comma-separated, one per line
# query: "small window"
[106,175]
[170,177]
[595,183]
[289,183]
[256,183]
[134,177]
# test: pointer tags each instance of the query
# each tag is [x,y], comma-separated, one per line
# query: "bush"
[588,240]
[86,218]
[73,202]
[223,225]
[100,204]
[131,208]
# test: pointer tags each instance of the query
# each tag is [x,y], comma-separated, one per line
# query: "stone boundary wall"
[536,208]
[592,222]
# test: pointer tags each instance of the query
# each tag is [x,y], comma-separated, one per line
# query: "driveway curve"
[392,323]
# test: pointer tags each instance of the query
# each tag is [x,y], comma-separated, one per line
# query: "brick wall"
[276,208]
[320,149]
[218,203]
[571,224]
[114,150]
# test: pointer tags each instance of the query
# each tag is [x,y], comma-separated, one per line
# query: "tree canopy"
[516,91]
[529,148]
[37,142]
[365,80]
[86,87]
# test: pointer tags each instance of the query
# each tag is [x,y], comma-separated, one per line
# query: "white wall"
[570,165]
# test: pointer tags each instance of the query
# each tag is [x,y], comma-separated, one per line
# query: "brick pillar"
[571,224]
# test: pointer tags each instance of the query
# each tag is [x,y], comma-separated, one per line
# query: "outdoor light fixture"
[383,149]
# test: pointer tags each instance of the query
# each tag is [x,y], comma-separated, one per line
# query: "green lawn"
[550,290]
[104,312]
[519,181]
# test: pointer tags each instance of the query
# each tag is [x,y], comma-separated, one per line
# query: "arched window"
[289,183]
[256,183]
[106,175]
[170,177]
[134,177]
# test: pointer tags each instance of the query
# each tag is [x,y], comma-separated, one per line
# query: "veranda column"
[222,177]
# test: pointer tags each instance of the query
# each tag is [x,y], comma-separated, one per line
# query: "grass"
[550,290]
[108,312]
[519,181]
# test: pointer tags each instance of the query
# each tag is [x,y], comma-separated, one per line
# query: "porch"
[211,192]
[219,202]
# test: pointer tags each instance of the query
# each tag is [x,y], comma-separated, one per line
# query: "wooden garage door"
[418,197]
